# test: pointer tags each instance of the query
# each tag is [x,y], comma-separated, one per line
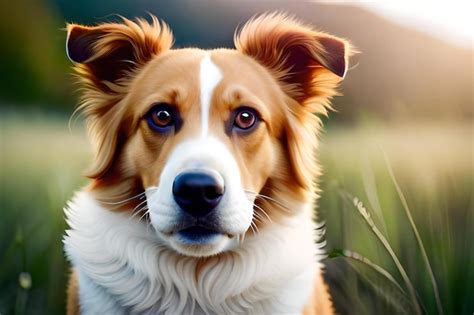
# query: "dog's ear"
[108,52]
[308,64]
[105,58]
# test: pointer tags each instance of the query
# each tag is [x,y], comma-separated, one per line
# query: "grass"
[433,167]
[426,260]
[383,240]
[421,203]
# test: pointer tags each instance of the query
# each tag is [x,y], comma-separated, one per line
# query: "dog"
[203,185]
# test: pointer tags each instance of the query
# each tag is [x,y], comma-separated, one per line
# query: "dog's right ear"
[105,57]
[109,51]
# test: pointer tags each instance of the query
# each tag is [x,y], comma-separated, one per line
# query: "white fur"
[209,76]
[125,268]
[235,210]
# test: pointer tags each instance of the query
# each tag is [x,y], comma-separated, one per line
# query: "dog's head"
[213,144]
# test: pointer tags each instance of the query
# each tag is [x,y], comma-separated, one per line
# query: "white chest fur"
[124,268]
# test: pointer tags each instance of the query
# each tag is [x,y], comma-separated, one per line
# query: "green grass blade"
[364,260]
[417,234]
[368,219]
[368,181]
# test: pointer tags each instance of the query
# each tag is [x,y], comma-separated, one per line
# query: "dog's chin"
[197,242]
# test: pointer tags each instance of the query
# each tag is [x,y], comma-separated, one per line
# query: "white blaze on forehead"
[209,77]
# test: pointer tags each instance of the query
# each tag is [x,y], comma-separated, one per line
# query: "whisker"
[258,217]
[140,196]
[265,197]
[285,207]
[264,212]
[140,212]
[135,214]
[139,205]
[143,216]
[254,228]
[142,206]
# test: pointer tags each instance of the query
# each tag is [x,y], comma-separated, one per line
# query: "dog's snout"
[198,192]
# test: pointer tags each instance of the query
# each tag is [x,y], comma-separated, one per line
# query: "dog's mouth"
[198,240]
[196,231]
[197,234]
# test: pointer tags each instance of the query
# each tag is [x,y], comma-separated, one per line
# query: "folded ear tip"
[340,68]
[78,47]
[337,51]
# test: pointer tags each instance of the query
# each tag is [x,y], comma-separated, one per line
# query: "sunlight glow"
[449,20]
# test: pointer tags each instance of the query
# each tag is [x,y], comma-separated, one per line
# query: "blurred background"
[399,148]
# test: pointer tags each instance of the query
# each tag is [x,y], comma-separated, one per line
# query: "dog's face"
[211,137]
[205,140]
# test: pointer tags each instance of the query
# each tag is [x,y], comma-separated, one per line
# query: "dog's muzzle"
[198,192]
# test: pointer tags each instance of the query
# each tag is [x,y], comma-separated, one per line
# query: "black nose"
[198,192]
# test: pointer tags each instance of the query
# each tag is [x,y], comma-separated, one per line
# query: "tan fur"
[73,295]
[116,51]
[289,75]
[301,61]
[320,302]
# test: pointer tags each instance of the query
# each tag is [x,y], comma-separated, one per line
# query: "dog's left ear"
[309,64]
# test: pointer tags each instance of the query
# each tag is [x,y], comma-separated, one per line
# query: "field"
[40,163]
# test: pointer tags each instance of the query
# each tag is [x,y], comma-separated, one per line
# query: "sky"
[448,20]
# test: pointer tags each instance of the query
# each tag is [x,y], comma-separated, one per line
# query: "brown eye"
[245,119]
[161,118]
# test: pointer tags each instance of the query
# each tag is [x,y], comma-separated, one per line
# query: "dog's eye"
[161,117]
[245,118]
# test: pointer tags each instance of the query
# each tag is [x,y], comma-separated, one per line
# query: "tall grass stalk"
[368,219]
[368,180]
[397,298]
[417,234]
[364,260]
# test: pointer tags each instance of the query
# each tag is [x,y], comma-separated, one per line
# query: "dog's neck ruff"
[124,268]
